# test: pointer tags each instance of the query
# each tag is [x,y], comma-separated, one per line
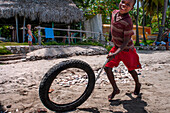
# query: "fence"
[99,38]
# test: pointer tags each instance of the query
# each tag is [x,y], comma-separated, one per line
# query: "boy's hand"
[110,56]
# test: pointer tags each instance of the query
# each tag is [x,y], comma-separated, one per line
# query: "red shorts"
[129,58]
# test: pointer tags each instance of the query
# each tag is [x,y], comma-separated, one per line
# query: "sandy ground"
[19,85]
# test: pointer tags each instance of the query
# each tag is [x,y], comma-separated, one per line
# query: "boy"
[121,31]
[29,35]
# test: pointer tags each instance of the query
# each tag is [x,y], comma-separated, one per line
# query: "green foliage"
[151,17]
[51,43]
[93,7]
[5,31]
[12,43]
[108,47]
[90,43]
[148,42]
[167,24]
[107,37]
[36,33]
[4,51]
[152,5]
[78,43]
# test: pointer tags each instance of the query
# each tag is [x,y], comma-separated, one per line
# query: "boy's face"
[29,26]
[125,6]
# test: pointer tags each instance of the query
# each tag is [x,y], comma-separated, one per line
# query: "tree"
[143,22]
[137,31]
[83,3]
[161,28]
[153,8]
[167,23]
[94,7]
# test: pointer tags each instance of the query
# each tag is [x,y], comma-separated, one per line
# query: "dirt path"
[19,85]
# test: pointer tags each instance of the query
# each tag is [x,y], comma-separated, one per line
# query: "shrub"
[51,43]
[108,47]
[4,51]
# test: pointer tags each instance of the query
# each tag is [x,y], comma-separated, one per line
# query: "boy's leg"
[113,83]
[167,45]
[137,83]
[29,43]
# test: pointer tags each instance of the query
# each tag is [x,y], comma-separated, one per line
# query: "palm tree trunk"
[144,38]
[163,20]
[137,31]
[151,21]
[158,14]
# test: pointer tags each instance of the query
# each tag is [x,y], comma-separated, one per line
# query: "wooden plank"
[59,36]
[69,30]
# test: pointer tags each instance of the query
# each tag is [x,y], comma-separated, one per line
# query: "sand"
[19,84]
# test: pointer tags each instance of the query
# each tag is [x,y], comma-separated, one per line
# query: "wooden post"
[39,35]
[16,18]
[24,30]
[53,27]
[13,35]
[80,32]
[99,37]
[69,34]
[52,24]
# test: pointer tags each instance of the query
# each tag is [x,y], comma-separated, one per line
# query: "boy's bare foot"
[111,96]
[137,89]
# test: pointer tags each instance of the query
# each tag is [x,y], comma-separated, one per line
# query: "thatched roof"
[60,11]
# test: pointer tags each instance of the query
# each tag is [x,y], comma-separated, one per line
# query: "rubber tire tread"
[51,75]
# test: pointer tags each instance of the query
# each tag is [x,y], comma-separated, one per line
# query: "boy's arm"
[121,48]
[128,32]
[29,32]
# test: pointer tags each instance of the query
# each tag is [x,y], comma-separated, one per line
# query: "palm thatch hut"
[58,11]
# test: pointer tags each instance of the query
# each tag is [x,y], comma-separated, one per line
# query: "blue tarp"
[49,33]
[162,43]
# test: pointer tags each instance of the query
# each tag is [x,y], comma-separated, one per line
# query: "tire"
[51,75]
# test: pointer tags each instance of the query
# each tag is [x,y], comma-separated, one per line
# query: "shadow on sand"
[2,110]
[92,110]
[135,105]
